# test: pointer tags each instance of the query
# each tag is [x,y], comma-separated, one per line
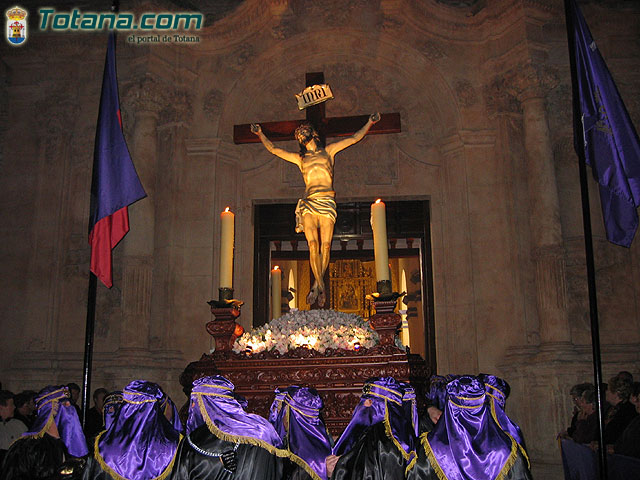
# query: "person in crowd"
[140,444]
[74,390]
[55,441]
[25,407]
[112,403]
[629,442]
[635,396]
[625,376]
[467,443]
[223,441]
[94,423]
[10,427]
[497,391]
[586,426]
[576,397]
[621,412]
[379,441]
[295,414]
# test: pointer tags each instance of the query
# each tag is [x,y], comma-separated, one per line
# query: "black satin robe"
[252,462]
[45,457]
[93,471]
[373,457]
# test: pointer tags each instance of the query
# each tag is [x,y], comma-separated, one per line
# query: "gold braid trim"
[213,386]
[52,393]
[495,417]
[384,398]
[300,462]
[211,394]
[510,461]
[301,412]
[411,464]
[46,427]
[493,413]
[431,457]
[493,396]
[96,454]
[470,407]
[285,421]
[278,452]
[389,432]
[524,453]
[374,385]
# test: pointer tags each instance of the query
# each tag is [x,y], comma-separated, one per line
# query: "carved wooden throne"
[337,375]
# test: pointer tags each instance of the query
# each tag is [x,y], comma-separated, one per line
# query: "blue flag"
[115,183]
[603,130]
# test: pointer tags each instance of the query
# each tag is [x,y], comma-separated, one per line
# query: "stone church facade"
[483,89]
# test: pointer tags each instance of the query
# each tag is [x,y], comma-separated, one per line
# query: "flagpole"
[588,246]
[90,321]
[88,345]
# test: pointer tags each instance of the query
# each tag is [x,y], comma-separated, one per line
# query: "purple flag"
[603,129]
[115,183]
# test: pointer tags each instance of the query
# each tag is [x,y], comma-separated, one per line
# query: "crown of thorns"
[305,127]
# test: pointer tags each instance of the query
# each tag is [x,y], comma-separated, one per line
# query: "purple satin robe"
[140,443]
[53,404]
[466,443]
[386,396]
[214,404]
[296,418]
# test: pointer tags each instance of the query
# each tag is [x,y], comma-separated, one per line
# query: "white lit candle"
[227,227]
[380,249]
[276,292]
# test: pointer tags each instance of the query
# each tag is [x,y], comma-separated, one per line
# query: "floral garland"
[315,329]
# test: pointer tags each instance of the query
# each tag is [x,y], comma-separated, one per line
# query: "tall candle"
[380,249]
[227,228]
[276,292]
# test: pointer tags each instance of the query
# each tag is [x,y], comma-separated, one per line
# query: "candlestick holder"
[225,299]
[385,321]
[226,310]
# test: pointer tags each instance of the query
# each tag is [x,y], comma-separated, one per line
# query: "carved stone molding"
[136,287]
[500,98]
[241,56]
[178,109]
[529,80]
[465,93]
[551,278]
[146,95]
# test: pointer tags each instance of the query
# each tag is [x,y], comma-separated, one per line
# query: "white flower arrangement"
[315,329]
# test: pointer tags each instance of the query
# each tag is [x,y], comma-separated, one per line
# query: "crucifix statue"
[316,210]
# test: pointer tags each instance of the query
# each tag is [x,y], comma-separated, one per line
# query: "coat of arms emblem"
[16,25]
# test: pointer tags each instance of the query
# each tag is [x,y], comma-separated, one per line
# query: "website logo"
[16,30]
[50,19]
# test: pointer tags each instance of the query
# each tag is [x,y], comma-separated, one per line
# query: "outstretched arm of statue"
[335,147]
[268,144]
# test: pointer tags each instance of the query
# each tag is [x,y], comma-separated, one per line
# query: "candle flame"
[226,209]
[276,267]
[378,200]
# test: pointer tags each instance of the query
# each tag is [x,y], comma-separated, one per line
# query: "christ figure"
[316,210]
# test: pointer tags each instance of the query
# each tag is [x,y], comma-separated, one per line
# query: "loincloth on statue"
[316,204]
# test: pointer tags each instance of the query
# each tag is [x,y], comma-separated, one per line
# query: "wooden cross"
[326,127]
